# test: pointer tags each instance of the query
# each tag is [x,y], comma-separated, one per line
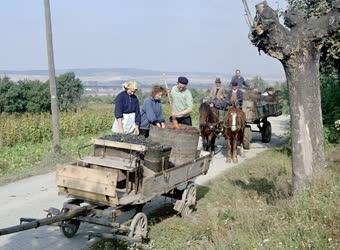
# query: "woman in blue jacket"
[151,112]
[127,112]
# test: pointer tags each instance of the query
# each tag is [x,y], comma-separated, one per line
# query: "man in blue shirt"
[238,80]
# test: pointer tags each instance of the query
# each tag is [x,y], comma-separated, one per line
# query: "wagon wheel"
[247,137]
[189,200]
[266,132]
[69,228]
[139,227]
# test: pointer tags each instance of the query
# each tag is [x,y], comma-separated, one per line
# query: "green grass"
[252,207]
[36,127]
[28,159]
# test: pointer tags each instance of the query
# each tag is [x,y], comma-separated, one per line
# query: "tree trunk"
[302,72]
[297,45]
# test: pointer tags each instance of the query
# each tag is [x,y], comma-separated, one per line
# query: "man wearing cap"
[235,95]
[238,80]
[218,92]
[182,102]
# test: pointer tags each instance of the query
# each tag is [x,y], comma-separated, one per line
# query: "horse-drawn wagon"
[257,108]
[124,173]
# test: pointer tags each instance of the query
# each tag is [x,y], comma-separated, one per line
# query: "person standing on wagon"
[238,80]
[182,102]
[151,112]
[127,111]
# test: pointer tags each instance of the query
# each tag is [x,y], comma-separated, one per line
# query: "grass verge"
[28,159]
[251,207]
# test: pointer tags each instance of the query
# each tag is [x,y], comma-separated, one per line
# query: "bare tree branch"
[270,36]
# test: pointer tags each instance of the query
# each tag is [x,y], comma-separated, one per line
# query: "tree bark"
[302,72]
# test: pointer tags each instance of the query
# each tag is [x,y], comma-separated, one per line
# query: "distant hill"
[91,76]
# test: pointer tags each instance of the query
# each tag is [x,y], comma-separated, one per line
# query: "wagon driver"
[235,95]
[182,102]
[127,113]
[218,91]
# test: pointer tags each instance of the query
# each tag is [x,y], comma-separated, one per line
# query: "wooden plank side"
[87,179]
[87,196]
[93,187]
[115,144]
[110,163]
[160,184]
[87,174]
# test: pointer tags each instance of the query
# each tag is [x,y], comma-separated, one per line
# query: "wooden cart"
[258,108]
[117,178]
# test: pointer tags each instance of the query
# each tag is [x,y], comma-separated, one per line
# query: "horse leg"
[241,145]
[205,142]
[212,138]
[229,155]
[242,151]
[234,146]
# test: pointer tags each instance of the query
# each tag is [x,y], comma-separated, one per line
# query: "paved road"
[28,198]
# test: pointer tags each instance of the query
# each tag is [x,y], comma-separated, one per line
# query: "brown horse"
[209,125]
[234,124]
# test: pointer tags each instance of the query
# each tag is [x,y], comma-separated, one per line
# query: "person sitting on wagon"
[218,92]
[127,111]
[235,95]
[151,112]
[182,102]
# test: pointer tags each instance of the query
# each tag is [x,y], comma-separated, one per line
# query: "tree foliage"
[5,85]
[258,83]
[330,56]
[330,96]
[34,96]
[69,91]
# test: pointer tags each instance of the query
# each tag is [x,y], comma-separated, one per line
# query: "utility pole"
[51,72]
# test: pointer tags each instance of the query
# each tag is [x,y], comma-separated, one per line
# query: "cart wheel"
[189,200]
[247,137]
[139,226]
[266,132]
[69,228]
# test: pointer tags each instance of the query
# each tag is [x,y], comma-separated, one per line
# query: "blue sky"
[176,35]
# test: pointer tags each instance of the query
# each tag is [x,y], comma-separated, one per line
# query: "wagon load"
[257,105]
[155,156]
[184,142]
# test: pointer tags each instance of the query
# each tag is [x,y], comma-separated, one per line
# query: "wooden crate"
[97,185]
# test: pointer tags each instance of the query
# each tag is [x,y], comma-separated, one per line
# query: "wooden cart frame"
[257,112]
[108,184]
